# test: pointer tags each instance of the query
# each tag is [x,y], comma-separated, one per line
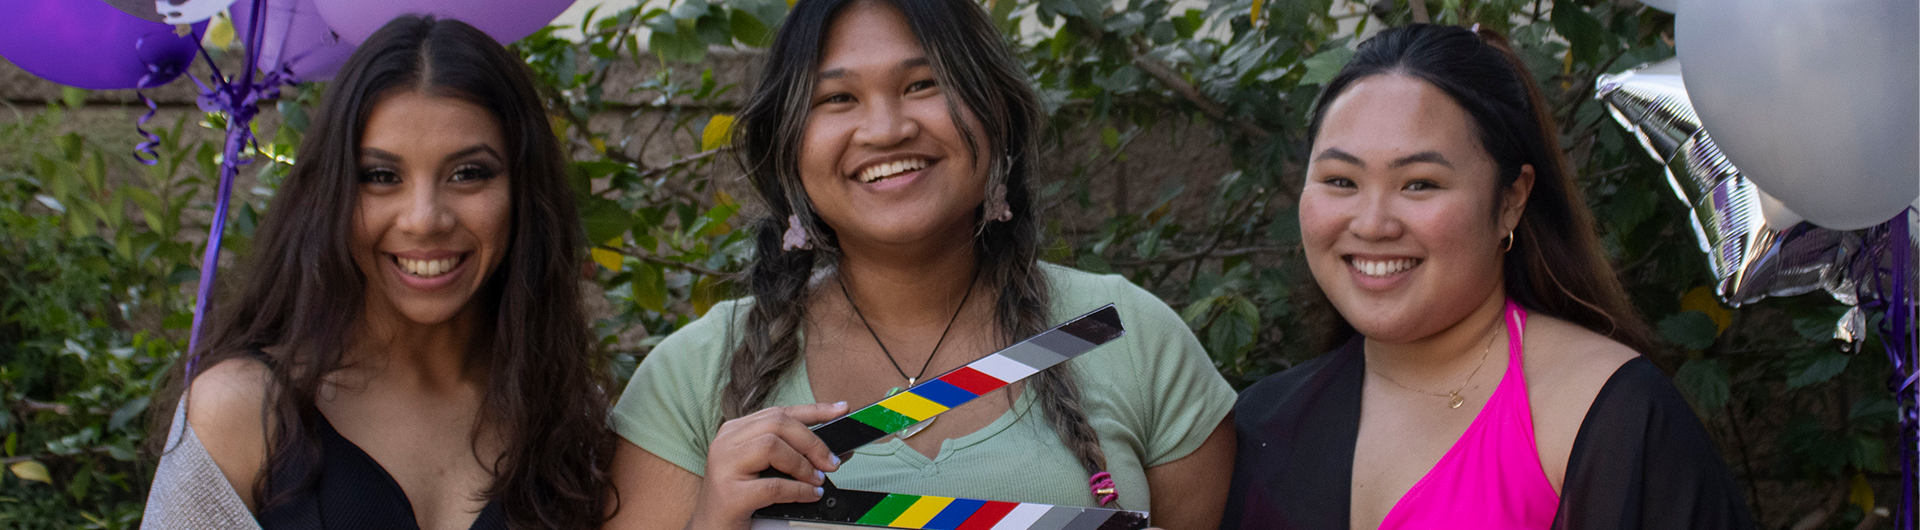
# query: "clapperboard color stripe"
[957,387]
[929,399]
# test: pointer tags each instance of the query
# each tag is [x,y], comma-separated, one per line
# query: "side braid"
[771,344]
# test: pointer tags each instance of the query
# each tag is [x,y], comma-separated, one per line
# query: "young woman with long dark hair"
[409,349]
[892,144]
[1489,377]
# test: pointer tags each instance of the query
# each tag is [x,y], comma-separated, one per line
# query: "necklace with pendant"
[915,378]
[1454,399]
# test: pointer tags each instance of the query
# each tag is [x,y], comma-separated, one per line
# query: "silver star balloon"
[1750,260]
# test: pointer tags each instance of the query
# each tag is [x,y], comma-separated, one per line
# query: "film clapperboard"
[845,508]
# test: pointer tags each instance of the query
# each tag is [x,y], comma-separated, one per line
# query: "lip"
[1380,283]
[425,284]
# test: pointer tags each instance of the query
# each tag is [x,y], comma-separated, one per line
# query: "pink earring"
[796,236]
[997,204]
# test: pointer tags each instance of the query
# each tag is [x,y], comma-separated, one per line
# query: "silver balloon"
[1749,260]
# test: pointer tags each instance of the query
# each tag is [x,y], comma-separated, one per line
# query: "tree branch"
[657,260]
[1166,75]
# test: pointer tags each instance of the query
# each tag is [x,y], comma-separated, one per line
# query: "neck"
[1438,356]
[439,355]
[896,287]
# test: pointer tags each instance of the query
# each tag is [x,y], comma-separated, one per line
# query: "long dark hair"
[1556,266]
[980,75]
[546,390]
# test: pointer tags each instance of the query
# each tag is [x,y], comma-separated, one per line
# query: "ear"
[1513,200]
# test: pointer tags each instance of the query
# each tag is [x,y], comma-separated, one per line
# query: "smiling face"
[883,160]
[432,220]
[1397,216]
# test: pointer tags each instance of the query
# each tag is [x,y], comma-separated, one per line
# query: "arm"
[225,408]
[658,495]
[1191,493]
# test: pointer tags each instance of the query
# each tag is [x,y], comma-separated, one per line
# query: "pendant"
[1457,401]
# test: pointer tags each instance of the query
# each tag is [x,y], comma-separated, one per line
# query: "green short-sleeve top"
[1152,396]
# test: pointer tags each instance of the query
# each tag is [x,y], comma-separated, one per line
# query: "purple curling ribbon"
[1893,266]
[240,99]
[144,151]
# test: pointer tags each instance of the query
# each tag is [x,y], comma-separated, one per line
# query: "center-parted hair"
[1556,266]
[303,299]
[978,74]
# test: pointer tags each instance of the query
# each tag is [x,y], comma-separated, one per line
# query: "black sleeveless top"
[350,490]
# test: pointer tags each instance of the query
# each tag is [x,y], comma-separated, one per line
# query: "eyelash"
[916,86]
[478,172]
[381,175]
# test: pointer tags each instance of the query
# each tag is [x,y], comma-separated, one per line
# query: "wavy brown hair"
[1556,266]
[546,391]
[979,73]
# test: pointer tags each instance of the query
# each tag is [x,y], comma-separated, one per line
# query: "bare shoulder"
[1561,353]
[225,407]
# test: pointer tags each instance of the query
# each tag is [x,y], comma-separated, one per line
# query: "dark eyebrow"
[1430,157]
[909,63]
[476,149]
[382,155]
[1334,153]
[370,152]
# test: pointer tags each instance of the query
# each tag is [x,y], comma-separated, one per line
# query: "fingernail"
[840,405]
[822,475]
[835,459]
[819,491]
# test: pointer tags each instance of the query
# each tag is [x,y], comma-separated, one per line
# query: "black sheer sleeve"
[1642,461]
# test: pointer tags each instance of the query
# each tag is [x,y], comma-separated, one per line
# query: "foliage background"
[99,256]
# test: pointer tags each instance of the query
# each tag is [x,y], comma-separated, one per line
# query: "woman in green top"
[892,143]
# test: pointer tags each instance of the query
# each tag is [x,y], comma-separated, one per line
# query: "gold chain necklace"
[1454,400]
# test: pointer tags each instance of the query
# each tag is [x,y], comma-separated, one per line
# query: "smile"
[1382,268]
[878,172]
[428,268]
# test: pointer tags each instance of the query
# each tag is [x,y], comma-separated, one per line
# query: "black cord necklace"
[936,345]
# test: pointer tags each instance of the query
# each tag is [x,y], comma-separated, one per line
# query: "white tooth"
[410,266]
[433,268]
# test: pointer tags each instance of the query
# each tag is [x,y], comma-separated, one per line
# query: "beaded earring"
[796,237]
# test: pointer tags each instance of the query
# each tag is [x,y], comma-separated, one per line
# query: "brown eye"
[1339,182]
[379,176]
[473,173]
[921,85]
[1421,185]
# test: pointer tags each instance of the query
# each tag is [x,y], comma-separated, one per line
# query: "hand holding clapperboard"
[839,508]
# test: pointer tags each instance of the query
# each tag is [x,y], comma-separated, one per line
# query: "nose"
[427,212]
[885,124]
[1377,219]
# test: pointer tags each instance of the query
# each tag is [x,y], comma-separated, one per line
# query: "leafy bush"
[100,255]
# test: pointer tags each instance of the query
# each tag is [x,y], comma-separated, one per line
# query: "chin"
[428,314]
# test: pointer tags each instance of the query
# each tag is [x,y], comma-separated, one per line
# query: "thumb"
[816,413]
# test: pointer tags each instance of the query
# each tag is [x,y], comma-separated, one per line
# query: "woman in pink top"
[1489,377]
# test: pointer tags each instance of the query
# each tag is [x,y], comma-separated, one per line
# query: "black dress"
[1640,460]
[351,490]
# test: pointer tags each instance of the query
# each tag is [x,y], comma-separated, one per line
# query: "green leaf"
[1324,65]
[1823,369]
[1198,311]
[1705,383]
[31,470]
[1585,36]
[127,413]
[604,219]
[1692,330]
[649,287]
[749,30]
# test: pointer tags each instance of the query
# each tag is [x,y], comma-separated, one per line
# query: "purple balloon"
[90,44]
[292,36]
[505,20]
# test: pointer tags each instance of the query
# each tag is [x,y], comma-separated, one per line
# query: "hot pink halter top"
[1491,478]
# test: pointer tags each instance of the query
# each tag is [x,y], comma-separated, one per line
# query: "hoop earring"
[1509,242]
